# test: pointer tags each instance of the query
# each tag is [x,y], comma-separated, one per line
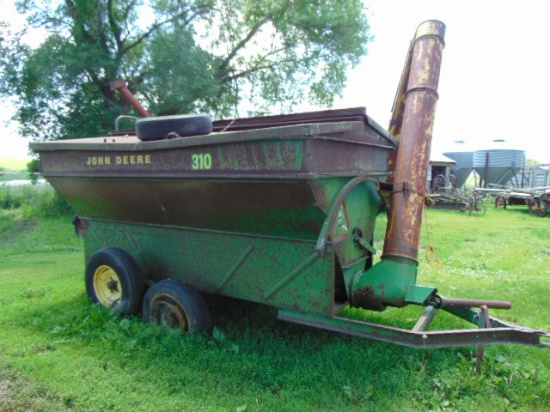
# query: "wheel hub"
[106,286]
[168,313]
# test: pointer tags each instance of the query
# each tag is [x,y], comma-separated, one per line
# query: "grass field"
[13,165]
[60,353]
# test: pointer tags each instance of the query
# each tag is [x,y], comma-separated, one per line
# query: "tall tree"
[178,56]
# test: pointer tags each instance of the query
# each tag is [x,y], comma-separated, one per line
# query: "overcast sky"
[494,73]
[493,81]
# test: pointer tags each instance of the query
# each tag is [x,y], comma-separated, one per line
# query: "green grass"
[13,165]
[59,352]
[29,202]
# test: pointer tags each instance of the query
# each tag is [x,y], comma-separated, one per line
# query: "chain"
[431,257]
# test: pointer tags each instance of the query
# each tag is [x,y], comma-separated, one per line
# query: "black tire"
[157,128]
[538,208]
[178,305]
[114,280]
[500,202]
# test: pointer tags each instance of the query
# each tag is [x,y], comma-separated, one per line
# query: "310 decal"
[201,161]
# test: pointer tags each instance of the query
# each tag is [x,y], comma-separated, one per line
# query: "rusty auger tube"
[413,157]
[392,281]
[122,87]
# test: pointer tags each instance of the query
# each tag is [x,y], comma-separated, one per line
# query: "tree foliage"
[178,56]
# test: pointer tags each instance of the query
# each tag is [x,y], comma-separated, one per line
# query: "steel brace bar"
[421,338]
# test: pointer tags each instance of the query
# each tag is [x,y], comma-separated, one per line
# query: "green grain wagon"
[278,210]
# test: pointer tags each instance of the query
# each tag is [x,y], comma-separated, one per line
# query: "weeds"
[33,201]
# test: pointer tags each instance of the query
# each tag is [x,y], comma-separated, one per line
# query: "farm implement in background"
[537,199]
[462,199]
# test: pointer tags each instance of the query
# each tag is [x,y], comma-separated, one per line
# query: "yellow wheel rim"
[107,286]
[166,312]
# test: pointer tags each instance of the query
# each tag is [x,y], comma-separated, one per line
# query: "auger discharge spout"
[392,282]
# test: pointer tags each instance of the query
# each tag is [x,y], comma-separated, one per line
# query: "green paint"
[385,284]
[233,270]
[292,275]
[297,223]
[419,295]
[277,271]
[299,159]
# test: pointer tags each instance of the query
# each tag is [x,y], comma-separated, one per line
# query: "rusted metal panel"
[268,181]
[325,116]
[302,151]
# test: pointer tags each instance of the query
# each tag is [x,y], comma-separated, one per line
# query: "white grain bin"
[464,161]
[498,163]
